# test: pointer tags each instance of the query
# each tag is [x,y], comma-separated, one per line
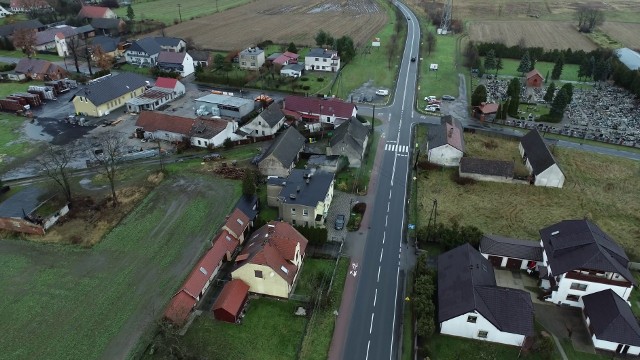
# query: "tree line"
[540,54]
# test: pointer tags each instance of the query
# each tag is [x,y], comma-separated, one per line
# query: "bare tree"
[55,162]
[588,18]
[104,61]
[87,56]
[112,144]
[74,45]
[160,156]
[431,42]
[25,39]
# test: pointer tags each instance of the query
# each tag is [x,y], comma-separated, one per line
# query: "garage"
[514,254]
[514,264]
[496,261]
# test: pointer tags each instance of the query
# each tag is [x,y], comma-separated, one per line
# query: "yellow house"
[271,259]
[108,93]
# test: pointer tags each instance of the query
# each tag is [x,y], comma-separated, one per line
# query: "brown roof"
[153,121]
[237,222]
[208,128]
[488,108]
[171,57]
[533,73]
[179,307]
[93,12]
[232,296]
[37,66]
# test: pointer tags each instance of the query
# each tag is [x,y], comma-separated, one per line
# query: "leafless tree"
[104,61]
[25,39]
[55,162]
[588,18]
[74,45]
[112,144]
[160,156]
[431,42]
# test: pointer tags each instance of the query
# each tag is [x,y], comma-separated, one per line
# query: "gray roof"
[199,55]
[486,167]
[466,283]
[308,187]
[580,244]
[22,203]
[629,57]
[252,51]
[321,53]
[272,115]
[6,30]
[84,29]
[248,204]
[147,45]
[286,147]
[107,43]
[537,152]
[513,248]
[439,136]
[352,133]
[227,100]
[294,67]
[273,56]
[611,318]
[105,23]
[167,41]
[112,87]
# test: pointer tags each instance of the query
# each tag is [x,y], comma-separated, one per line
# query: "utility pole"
[217,10]
[179,13]
[373,118]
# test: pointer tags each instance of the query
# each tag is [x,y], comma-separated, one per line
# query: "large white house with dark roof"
[470,304]
[538,159]
[267,123]
[319,59]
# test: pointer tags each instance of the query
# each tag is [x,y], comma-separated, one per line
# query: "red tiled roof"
[232,296]
[93,12]
[316,105]
[171,57]
[237,222]
[286,57]
[166,83]
[292,114]
[488,108]
[152,121]
[179,308]
[208,128]
[454,137]
[533,73]
[29,4]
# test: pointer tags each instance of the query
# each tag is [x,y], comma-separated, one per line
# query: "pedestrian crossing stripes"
[398,148]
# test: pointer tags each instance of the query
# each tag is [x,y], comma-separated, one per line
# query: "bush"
[549,118]
[304,79]
[320,79]
[450,236]
[306,87]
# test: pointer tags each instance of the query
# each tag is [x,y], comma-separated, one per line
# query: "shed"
[486,111]
[486,169]
[534,79]
[231,300]
[539,161]
[510,253]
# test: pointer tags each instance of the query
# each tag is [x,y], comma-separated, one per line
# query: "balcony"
[596,279]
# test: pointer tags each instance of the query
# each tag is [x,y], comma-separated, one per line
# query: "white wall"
[611,346]
[321,64]
[187,66]
[564,289]
[523,262]
[445,155]
[258,127]
[218,140]
[164,135]
[552,177]
[459,326]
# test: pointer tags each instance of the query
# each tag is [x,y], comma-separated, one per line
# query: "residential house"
[248,205]
[6,31]
[611,323]
[486,170]
[176,61]
[160,126]
[164,91]
[238,224]
[514,254]
[225,105]
[108,26]
[171,44]
[200,58]
[303,197]
[231,301]
[199,280]
[581,259]
[540,162]
[251,58]
[177,88]
[111,46]
[446,142]
[143,52]
[53,39]
[106,94]
[23,6]
[534,79]
[30,211]
[42,70]
[4,13]
[285,59]
[292,70]
[486,111]
[470,304]
[350,139]
[271,260]
[96,12]
[319,59]
[283,154]
[314,109]
[212,133]
[267,123]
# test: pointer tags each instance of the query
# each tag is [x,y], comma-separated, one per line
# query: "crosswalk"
[395,147]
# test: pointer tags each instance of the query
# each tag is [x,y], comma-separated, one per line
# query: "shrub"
[549,118]
[320,79]
[304,79]
[306,87]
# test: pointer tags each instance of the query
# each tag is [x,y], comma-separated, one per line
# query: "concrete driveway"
[341,204]
[518,280]
[565,323]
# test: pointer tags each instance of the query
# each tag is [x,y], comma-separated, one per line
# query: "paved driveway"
[341,204]
[518,280]
[565,323]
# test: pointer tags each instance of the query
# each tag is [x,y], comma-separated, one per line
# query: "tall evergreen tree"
[559,104]
[557,68]
[130,14]
[568,88]
[514,94]
[548,96]
[479,95]
[490,60]
[499,65]
[525,63]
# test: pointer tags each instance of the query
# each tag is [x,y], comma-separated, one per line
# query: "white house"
[165,127]
[515,254]
[177,88]
[292,70]
[267,123]
[581,259]
[211,133]
[319,59]
[180,62]
[251,58]
[145,52]
[446,142]
[313,109]
[540,162]
[4,12]
[611,323]
[470,304]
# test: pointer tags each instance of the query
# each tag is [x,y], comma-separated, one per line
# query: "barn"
[231,300]
[534,79]
[516,254]
[539,161]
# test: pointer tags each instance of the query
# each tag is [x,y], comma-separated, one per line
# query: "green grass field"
[71,303]
[13,146]
[19,54]
[15,87]
[445,80]
[166,11]
[312,270]
[569,71]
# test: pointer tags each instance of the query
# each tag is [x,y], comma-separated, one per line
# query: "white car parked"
[382,92]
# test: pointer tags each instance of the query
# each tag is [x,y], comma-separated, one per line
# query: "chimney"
[292,196]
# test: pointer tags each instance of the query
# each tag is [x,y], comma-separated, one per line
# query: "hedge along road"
[61,302]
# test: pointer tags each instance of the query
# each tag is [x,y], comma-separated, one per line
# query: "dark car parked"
[339,225]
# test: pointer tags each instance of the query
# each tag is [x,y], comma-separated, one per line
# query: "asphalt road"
[374,328]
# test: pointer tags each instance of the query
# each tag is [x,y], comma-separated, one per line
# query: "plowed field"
[283,21]
[626,33]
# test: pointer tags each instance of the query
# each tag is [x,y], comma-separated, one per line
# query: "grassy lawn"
[90,303]
[269,330]
[445,80]
[9,88]
[577,355]
[569,71]
[356,180]
[604,40]
[602,188]
[19,54]
[13,146]
[166,11]
[312,270]
[445,347]
[317,340]
[315,83]
[487,147]
[135,69]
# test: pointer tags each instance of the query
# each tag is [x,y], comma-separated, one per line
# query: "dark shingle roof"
[8,29]
[466,283]
[611,318]
[107,43]
[351,132]
[286,147]
[104,23]
[171,57]
[486,167]
[248,204]
[322,53]
[537,152]
[22,203]
[306,193]
[449,131]
[580,244]
[147,45]
[112,87]
[513,248]
[167,41]
[272,114]
[199,55]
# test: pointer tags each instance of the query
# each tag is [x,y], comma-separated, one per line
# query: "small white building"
[319,59]
[267,123]
[446,142]
[251,58]
[611,323]
[514,254]
[177,88]
[226,105]
[180,62]
[212,133]
[159,126]
[540,162]
[292,70]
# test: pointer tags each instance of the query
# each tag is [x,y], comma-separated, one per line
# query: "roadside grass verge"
[166,11]
[312,269]
[445,80]
[13,146]
[602,188]
[19,54]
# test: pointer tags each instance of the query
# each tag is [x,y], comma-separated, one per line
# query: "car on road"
[339,224]
[413,59]
[448,97]
[382,92]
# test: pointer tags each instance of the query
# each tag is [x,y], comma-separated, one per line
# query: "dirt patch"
[626,33]
[283,22]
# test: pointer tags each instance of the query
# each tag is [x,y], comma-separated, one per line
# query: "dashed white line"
[386,220]
[378,274]
[381,252]
[384,235]
[375,297]
[388,204]
[368,344]
[371,326]
[389,194]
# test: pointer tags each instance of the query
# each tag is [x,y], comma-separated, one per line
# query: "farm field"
[283,22]
[166,11]
[546,34]
[625,33]
[85,304]
[602,188]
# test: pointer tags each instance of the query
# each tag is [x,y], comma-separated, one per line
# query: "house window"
[199,142]
[305,212]
[324,60]
[573,297]
[483,334]
[472,319]
[578,286]
[293,211]
[293,222]
[258,273]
